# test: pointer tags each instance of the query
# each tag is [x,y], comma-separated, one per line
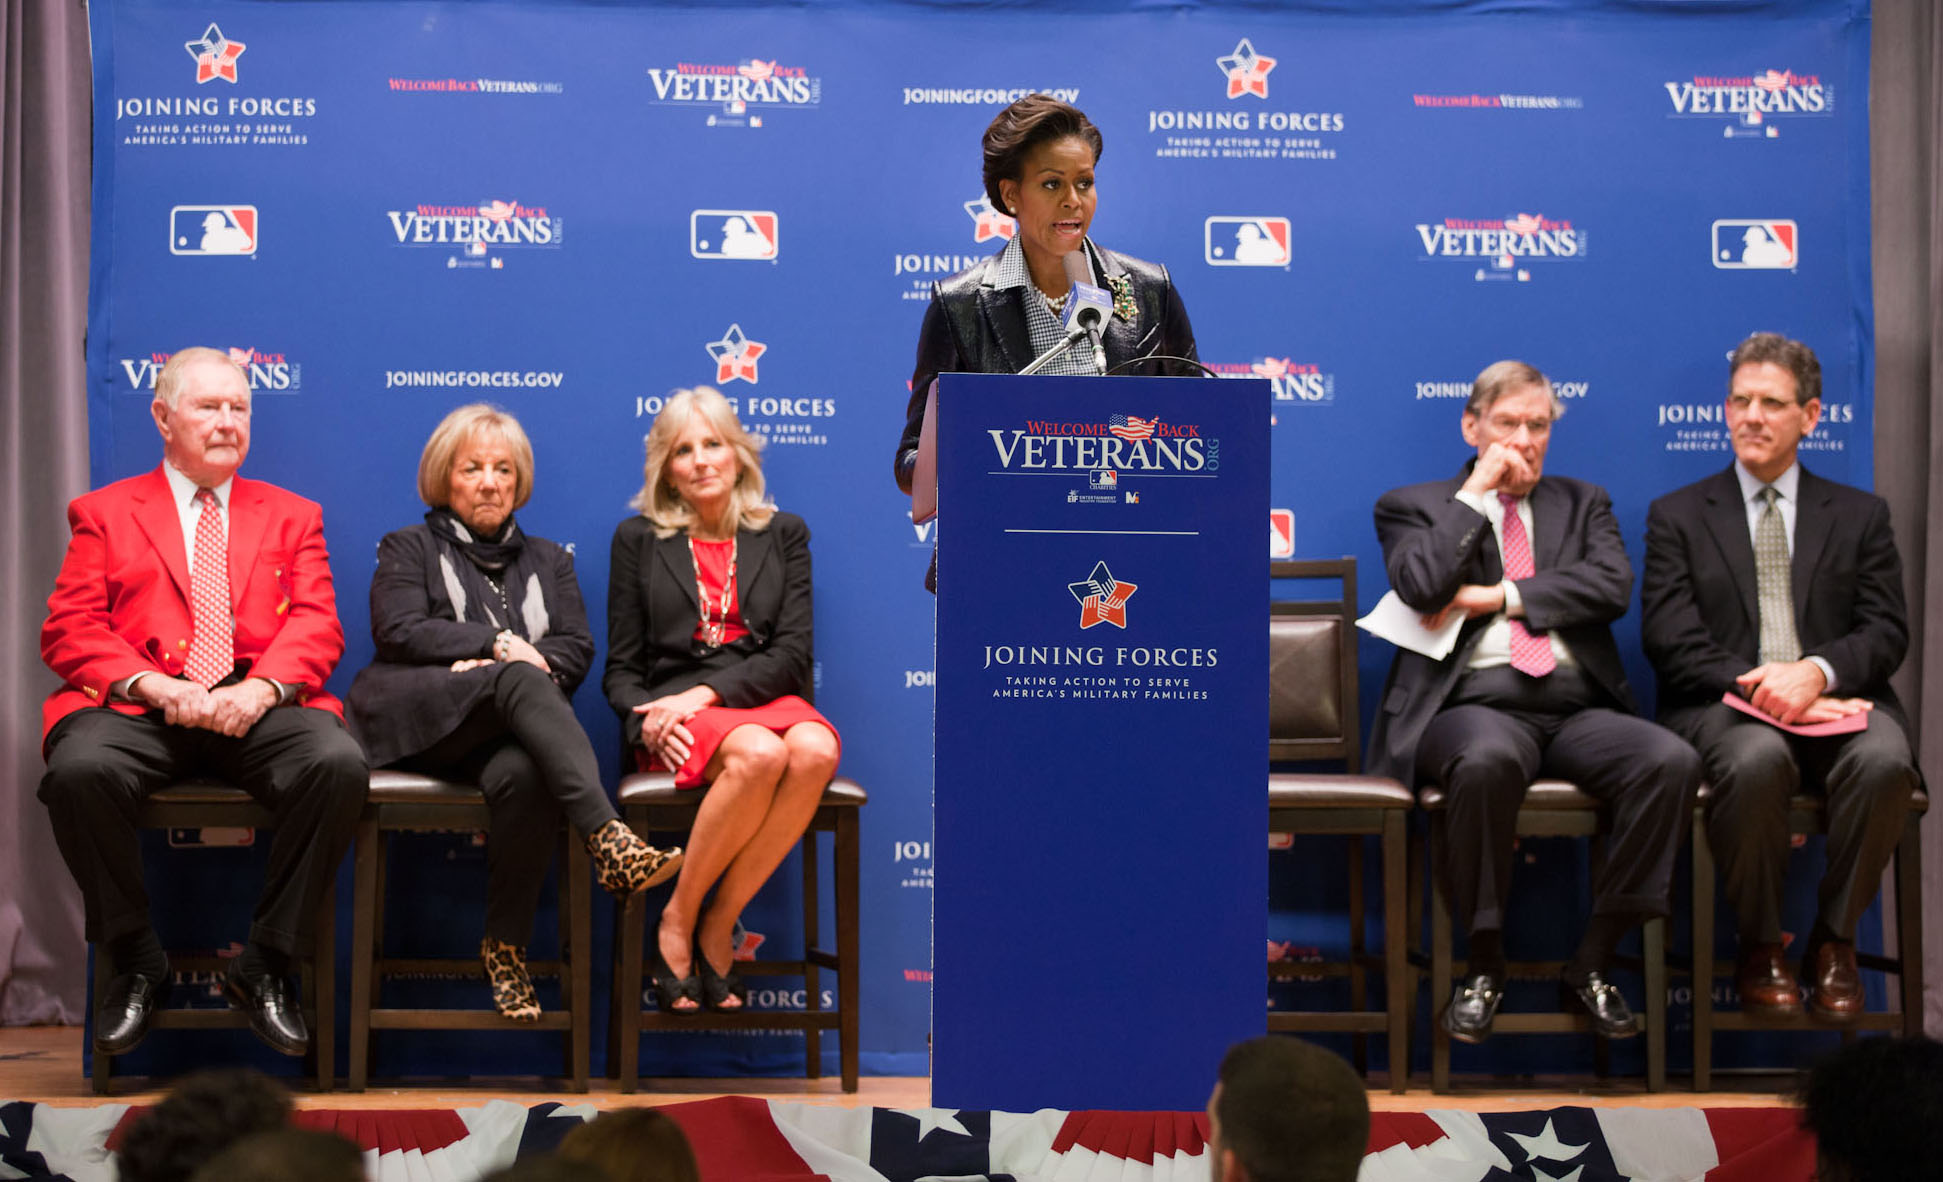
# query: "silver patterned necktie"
[1778,639]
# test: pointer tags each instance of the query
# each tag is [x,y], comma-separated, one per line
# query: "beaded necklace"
[715,624]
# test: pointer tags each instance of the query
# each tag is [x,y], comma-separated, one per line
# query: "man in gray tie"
[1770,583]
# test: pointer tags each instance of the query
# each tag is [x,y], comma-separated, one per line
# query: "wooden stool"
[1552,808]
[1807,816]
[1312,716]
[650,802]
[207,804]
[406,801]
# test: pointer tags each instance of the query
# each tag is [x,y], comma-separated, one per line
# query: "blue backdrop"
[571,209]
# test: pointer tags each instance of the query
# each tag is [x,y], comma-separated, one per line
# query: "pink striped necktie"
[212,650]
[1529,654]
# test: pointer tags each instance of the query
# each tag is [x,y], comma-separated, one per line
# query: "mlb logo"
[212,229]
[1281,533]
[733,234]
[1756,244]
[1246,241]
[1104,478]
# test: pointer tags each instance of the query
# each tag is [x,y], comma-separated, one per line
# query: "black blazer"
[973,327]
[1702,623]
[409,698]
[652,613]
[1434,543]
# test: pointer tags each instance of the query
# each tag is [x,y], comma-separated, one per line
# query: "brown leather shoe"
[1835,985]
[1765,984]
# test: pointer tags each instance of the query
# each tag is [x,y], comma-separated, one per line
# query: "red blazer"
[121,602]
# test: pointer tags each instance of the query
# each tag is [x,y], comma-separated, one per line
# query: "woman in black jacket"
[481,640]
[997,316]
[708,662]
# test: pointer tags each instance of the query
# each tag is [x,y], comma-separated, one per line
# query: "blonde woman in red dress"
[708,664]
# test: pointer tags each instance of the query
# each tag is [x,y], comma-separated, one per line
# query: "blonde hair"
[657,500]
[460,428]
[168,383]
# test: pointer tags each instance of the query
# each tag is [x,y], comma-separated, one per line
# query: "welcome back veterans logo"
[1503,246]
[267,371]
[197,118]
[1750,104]
[1129,445]
[473,232]
[1248,127]
[1292,381]
[738,95]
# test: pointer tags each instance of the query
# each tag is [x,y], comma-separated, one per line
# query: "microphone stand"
[1044,359]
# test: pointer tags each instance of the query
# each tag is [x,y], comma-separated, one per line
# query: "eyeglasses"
[1537,428]
[1741,403]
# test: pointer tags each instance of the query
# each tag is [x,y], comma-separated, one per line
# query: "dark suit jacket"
[121,602]
[652,613]
[409,698]
[973,327]
[1702,624]
[1433,544]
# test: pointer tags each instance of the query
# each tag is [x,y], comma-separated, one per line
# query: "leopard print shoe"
[512,989]
[625,864]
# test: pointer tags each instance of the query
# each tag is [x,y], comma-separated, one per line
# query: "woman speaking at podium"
[998,316]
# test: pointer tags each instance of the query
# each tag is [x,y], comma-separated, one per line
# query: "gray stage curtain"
[1905,118]
[44,170]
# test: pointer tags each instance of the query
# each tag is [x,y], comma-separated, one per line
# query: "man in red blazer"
[192,627]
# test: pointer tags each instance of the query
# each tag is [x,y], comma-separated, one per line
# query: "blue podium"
[1100,898]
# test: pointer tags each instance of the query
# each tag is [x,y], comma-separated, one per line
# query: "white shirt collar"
[1011,270]
[183,489]
[1786,484]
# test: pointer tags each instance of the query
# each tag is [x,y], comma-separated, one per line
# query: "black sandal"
[718,987]
[669,989]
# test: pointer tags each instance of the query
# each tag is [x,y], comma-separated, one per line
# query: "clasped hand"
[1791,692]
[228,710]
[662,723]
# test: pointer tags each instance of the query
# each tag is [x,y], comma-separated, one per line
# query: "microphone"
[1087,306]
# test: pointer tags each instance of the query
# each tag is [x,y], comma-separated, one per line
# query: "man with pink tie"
[1535,567]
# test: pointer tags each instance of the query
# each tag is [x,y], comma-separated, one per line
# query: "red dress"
[713,723]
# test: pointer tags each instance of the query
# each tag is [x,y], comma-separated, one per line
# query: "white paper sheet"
[1402,625]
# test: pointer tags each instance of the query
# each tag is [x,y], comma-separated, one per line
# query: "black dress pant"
[1486,756]
[1866,780]
[525,749]
[298,762]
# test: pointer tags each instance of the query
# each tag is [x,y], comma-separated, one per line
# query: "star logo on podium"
[1247,70]
[735,356]
[215,55]
[1102,598]
[988,222]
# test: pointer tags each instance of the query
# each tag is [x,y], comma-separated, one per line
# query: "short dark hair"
[1502,377]
[1794,356]
[206,1113]
[1291,1111]
[286,1155]
[1876,1109]
[633,1145]
[1018,129]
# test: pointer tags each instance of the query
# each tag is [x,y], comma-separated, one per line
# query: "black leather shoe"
[273,1011]
[1600,1000]
[1473,1006]
[123,1018]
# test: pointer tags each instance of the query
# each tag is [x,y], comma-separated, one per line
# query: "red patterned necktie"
[1529,654]
[212,651]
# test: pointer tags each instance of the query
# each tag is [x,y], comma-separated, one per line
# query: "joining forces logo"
[1102,598]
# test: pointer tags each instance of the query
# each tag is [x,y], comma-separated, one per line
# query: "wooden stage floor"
[43,1063]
